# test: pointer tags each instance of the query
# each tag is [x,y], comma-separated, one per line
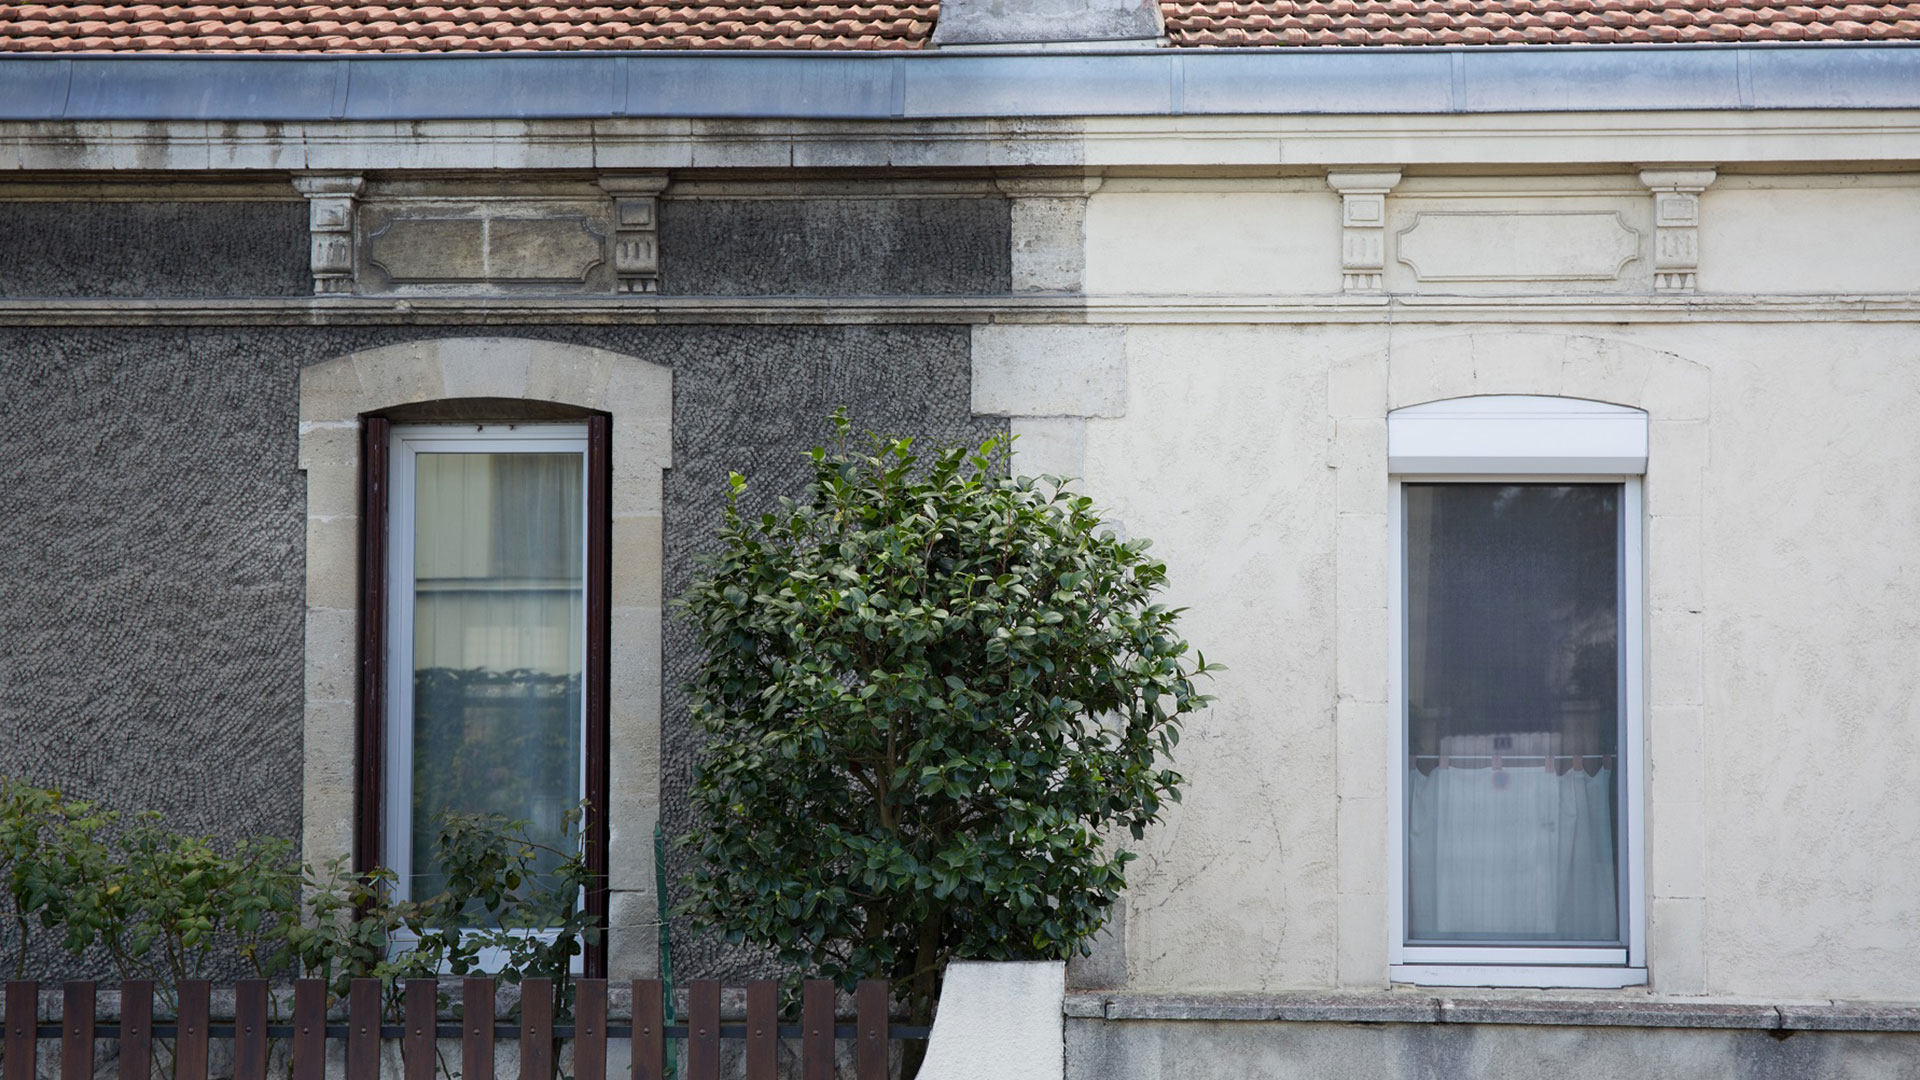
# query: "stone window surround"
[1676,394]
[334,394]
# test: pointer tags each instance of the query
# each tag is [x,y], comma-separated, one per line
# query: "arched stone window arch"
[504,379]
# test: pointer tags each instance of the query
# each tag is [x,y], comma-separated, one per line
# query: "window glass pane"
[499,590]
[1513,712]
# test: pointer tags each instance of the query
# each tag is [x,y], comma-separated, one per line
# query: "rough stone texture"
[835,246]
[154,249]
[152,525]
[995,22]
[1179,1050]
[150,576]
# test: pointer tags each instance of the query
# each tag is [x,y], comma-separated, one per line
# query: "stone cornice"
[1190,145]
[644,309]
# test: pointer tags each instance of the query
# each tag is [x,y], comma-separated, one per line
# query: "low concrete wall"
[1406,1036]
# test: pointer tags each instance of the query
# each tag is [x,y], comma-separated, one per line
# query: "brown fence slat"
[250,1029]
[190,1045]
[649,1030]
[703,1030]
[309,1029]
[590,1029]
[23,1013]
[416,1046]
[476,1040]
[763,1028]
[363,1029]
[870,1030]
[816,1030]
[136,1030]
[536,1029]
[76,1031]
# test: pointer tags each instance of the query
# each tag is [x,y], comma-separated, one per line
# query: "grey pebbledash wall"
[835,246]
[157,249]
[152,536]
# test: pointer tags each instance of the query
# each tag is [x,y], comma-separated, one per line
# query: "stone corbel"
[1049,215]
[330,227]
[1363,227]
[1676,221]
[636,229]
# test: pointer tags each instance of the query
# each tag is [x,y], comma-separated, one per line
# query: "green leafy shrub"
[168,906]
[930,691]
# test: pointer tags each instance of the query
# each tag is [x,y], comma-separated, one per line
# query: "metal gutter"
[934,85]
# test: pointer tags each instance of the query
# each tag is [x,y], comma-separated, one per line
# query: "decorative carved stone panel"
[505,250]
[1498,245]
[1524,236]
[505,245]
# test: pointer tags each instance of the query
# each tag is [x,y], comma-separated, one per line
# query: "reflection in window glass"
[1513,713]
[499,593]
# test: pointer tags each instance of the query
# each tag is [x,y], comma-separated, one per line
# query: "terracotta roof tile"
[464,27]
[454,26]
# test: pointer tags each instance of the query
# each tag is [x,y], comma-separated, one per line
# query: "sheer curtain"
[1513,719]
[499,593]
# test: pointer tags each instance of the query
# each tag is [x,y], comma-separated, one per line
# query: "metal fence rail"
[650,1031]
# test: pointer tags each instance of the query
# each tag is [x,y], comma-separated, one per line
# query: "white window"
[1515,681]
[487,634]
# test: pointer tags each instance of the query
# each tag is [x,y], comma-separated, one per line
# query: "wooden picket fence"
[650,1030]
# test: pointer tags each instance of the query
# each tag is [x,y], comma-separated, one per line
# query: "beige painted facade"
[1768,329]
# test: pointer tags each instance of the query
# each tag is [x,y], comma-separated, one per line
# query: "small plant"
[167,906]
[932,691]
[36,825]
[508,899]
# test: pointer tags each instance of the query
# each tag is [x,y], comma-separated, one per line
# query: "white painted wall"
[1783,572]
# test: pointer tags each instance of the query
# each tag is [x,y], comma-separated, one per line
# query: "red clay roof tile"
[453,26]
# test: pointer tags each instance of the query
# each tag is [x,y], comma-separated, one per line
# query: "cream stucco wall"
[1783,574]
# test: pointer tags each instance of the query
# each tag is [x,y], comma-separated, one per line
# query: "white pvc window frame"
[408,441]
[1532,440]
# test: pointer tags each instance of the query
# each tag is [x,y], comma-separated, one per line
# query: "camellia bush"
[931,691]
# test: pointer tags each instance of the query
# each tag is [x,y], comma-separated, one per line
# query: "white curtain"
[497,643]
[1521,852]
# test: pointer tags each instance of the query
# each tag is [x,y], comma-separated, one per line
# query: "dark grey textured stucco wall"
[158,249]
[835,246]
[152,537]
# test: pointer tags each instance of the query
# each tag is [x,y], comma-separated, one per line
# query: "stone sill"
[1416,1008]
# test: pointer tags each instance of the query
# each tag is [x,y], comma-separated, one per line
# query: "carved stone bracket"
[1363,227]
[1676,220]
[1048,220]
[636,223]
[330,225]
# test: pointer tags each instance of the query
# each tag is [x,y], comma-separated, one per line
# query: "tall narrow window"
[493,695]
[1517,688]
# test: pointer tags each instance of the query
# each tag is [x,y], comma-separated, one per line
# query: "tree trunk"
[923,992]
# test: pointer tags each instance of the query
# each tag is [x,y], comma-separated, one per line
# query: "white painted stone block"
[1049,370]
[1049,446]
[999,1021]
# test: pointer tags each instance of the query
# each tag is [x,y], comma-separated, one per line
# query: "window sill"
[1531,978]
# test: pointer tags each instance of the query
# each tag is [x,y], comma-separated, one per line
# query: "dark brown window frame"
[376,432]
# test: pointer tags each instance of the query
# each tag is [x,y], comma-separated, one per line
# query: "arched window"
[465,497]
[1516,683]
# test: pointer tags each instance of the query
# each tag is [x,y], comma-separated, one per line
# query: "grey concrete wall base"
[1389,1050]
[1009,22]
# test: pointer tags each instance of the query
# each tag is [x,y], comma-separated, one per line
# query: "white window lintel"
[1517,435]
